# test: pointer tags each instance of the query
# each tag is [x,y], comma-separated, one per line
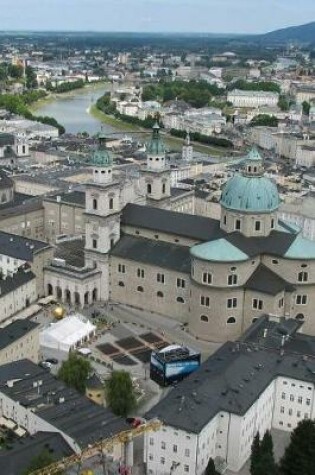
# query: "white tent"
[68,333]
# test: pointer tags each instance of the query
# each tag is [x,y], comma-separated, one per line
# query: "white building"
[217,410]
[301,213]
[241,98]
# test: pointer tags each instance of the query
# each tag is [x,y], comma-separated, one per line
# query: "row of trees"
[66,86]
[267,86]
[204,139]
[119,390]
[196,93]
[18,104]
[298,458]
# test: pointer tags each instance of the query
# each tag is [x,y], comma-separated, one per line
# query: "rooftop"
[157,253]
[15,331]
[63,407]
[20,247]
[229,381]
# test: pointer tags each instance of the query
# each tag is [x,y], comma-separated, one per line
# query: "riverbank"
[172,142]
[52,96]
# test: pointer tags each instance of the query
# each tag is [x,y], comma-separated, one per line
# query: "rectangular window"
[94,243]
[290,412]
[281,303]
[151,441]
[282,409]
[140,273]
[308,402]
[257,225]
[301,300]
[187,453]
[163,446]
[291,397]
[205,301]
[237,224]
[232,303]
[162,460]
[207,278]
[186,468]
[180,283]
[232,279]
[283,396]
[160,278]
[300,399]
[258,304]
[175,448]
[122,268]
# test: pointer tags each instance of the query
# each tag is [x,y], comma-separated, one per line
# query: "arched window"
[160,294]
[149,188]
[111,203]
[255,169]
[139,288]
[163,188]
[49,289]
[231,320]
[303,276]
[121,284]
[180,300]
[94,203]
[204,318]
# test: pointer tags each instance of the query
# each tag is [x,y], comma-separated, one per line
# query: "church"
[215,276]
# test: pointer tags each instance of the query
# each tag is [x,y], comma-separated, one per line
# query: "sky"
[209,16]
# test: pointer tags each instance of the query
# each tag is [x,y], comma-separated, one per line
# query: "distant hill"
[302,33]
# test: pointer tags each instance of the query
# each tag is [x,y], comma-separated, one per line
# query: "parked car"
[51,360]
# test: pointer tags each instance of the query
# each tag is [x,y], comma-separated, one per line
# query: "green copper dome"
[156,145]
[101,157]
[251,191]
[255,194]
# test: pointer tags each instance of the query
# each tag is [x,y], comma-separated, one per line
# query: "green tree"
[42,460]
[283,103]
[254,458]
[120,393]
[265,120]
[210,469]
[31,81]
[75,372]
[299,456]
[306,107]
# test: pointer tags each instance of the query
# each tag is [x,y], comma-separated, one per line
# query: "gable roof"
[267,282]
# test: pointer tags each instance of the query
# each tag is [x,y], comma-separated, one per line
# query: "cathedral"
[215,276]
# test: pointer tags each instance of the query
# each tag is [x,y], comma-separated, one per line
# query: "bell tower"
[187,150]
[102,212]
[156,173]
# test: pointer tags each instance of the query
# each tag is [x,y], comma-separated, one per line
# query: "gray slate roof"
[156,253]
[15,331]
[181,224]
[61,406]
[16,459]
[20,247]
[230,380]
[265,281]
[11,283]
[74,197]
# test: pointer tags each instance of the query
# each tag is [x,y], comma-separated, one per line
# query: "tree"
[75,372]
[210,469]
[283,103]
[254,458]
[120,393]
[299,456]
[42,460]
[31,81]
[262,458]
[265,120]
[306,107]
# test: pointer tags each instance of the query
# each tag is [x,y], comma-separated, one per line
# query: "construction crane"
[99,447]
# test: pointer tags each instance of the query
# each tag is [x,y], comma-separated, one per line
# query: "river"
[71,111]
